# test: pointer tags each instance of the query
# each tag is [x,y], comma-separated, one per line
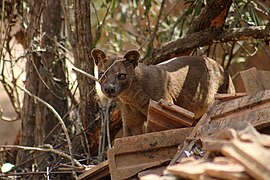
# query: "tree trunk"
[53,88]
[212,17]
[83,60]
[45,78]
[31,84]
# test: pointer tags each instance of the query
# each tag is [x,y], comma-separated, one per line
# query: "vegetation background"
[62,121]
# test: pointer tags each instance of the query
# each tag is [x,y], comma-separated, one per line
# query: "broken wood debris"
[131,155]
[163,116]
[219,167]
[255,80]
[96,172]
[241,155]
[254,109]
[240,152]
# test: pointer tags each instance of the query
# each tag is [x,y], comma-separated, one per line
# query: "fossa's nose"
[109,89]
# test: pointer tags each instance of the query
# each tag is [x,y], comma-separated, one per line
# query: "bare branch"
[100,24]
[59,119]
[47,149]
[154,33]
[67,18]
[205,38]
[84,73]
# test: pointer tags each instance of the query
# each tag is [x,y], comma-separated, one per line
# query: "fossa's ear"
[132,57]
[98,55]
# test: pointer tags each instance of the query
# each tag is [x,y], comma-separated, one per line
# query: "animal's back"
[194,81]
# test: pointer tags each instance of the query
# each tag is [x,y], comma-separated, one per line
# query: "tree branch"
[205,38]
[213,15]
[59,119]
[44,149]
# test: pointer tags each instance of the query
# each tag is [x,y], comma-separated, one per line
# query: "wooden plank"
[265,78]
[189,170]
[246,102]
[255,80]
[177,109]
[216,169]
[163,116]
[252,156]
[231,169]
[130,155]
[97,172]
[227,97]
[151,177]
[254,109]
[156,170]
[251,81]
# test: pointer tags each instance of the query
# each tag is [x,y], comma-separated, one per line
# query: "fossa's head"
[115,73]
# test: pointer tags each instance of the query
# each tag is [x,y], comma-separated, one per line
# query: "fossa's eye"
[122,76]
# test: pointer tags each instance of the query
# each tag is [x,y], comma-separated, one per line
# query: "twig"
[43,81]
[107,120]
[102,136]
[71,37]
[10,90]
[7,119]
[49,149]
[84,73]
[41,173]
[154,33]
[230,56]
[100,25]
[59,119]
[2,23]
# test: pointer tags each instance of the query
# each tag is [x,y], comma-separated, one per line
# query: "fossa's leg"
[133,121]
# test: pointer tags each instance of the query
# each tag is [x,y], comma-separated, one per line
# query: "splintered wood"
[219,167]
[254,109]
[163,116]
[232,154]
[240,152]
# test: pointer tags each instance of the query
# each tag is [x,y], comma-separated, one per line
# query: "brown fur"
[190,82]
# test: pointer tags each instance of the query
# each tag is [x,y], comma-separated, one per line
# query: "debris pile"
[240,153]
[224,144]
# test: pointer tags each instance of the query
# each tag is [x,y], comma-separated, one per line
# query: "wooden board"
[254,109]
[197,169]
[252,155]
[227,97]
[131,155]
[255,80]
[164,116]
[97,172]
